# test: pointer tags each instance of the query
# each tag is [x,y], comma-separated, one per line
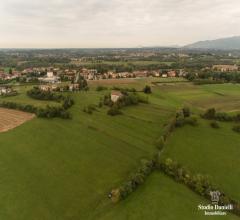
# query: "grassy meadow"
[64,169]
[206,150]
[160,198]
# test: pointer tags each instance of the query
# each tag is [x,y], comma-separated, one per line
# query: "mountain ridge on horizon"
[227,43]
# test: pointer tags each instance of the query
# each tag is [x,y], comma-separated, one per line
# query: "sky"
[115,23]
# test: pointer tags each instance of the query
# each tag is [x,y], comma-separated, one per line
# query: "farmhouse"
[164,75]
[48,87]
[74,87]
[5,90]
[115,95]
[172,73]
[225,68]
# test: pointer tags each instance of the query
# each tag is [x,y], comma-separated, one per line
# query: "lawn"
[223,97]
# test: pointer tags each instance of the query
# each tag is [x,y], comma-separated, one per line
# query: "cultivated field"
[10,119]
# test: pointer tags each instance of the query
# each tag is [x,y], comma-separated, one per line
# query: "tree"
[83,85]
[147,90]
[10,71]
[210,113]
[186,112]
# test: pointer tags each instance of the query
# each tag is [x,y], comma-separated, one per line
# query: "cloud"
[115,23]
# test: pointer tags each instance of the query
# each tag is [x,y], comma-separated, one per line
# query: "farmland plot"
[10,119]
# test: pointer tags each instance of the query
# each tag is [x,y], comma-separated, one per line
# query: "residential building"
[115,95]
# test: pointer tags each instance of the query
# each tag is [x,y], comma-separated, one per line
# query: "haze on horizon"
[115,23]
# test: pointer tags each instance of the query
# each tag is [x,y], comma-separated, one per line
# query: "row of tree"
[48,112]
[197,182]
[212,114]
[209,77]
[37,93]
[136,179]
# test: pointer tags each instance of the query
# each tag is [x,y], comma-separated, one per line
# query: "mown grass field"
[223,97]
[210,151]
[160,198]
[64,169]
[22,98]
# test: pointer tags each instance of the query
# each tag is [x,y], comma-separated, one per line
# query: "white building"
[5,90]
[115,95]
[50,78]
[50,74]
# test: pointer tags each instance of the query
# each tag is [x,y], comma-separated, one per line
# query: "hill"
[231,43]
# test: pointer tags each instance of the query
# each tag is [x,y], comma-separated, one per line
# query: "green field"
[64,169]
[160,198]
[209,151]
[22,98]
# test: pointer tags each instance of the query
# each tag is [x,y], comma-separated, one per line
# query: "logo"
[214,208]
[215,196]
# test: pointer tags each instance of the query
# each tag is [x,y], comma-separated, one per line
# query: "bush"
[48,112]
[147,90]
[126,100]
[67,103]
[209,114]
[236,128]
[214,124]
[168,128]
[136,179]
[191,120]
[160,143]
[89,109]
[107,100]
[220,116]
[101,88]
[197,182]
[114,110]
[37,93]
[124,90]
[181,121]
[186,112]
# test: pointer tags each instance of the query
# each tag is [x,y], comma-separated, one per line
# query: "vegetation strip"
[49,111]
[196,182]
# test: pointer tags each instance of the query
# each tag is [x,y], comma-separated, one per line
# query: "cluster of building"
[7,76]
[225,68]
[55,75]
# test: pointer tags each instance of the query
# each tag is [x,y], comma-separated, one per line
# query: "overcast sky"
[115,23]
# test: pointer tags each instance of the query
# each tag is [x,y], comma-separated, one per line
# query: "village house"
[115,95]
[225,68]
[172,73]
[164,75]
[140,73]
[5,90]
[50,78]
[48,87]
[74,87]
